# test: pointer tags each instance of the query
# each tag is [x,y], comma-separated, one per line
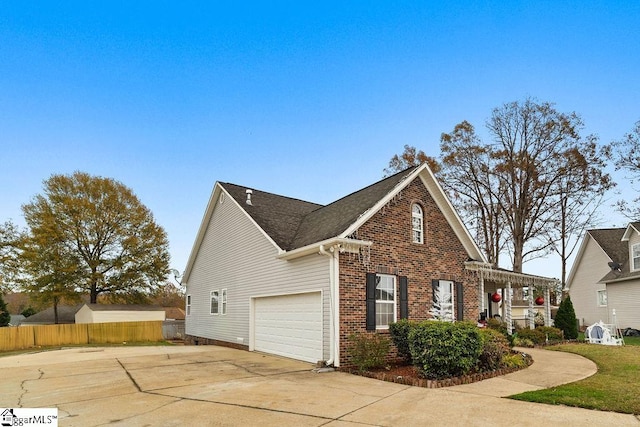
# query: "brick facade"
[440,257]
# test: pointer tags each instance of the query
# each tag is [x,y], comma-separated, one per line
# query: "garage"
[289,325]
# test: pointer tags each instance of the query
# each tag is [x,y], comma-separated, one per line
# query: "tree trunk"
[55,311]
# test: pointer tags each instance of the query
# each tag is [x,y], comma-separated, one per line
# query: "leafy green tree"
[566,319]
[29,311]
[8,255]
[93,235]
[5,316]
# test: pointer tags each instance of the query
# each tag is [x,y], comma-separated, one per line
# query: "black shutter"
[404,298]
[459,302]
[434,290]
[371,302]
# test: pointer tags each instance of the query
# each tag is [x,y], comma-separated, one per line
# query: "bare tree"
[467,177]
[626,153]
[410,157]
[579,193]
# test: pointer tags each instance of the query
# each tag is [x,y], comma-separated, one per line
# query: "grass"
[615,387]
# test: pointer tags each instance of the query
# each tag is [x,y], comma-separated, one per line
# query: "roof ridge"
[271,194]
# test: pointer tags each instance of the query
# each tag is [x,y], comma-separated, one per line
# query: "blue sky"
[305,99]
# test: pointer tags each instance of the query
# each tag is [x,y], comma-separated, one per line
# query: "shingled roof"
[294,223]
[610,240]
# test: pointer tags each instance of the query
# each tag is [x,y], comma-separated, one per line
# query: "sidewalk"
[549,369]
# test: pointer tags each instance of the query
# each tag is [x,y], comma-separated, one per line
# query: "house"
[107,313]
[294,278]
[66,314]
[604,281]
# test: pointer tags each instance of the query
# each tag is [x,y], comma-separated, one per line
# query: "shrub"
[566,319]
[533,335]
[522,342]
[494,347]
[553,334]
[444,349]
[400,335]
[368,351]
[514,360]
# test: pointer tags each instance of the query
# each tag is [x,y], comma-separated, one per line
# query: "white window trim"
[223,302]
[217,292]
[633,259]
[415,230]
[394,302]
[598,298]
[188,305]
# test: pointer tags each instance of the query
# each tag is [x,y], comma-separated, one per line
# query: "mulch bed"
[408,375]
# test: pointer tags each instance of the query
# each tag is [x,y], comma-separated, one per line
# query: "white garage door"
[290,326]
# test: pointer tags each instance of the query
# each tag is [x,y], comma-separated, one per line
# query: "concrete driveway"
[209,385]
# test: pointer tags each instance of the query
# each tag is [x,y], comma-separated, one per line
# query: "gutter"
[334,263]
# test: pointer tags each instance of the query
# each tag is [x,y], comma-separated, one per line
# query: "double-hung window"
[602,297]
[417,224]
[188,305]
[223,302]
[215,302]
[442,305]
[635,254]
[385,300]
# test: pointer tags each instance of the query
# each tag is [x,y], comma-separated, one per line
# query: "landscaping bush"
[566,319]
[368,351]
[400,336]
[534,335]
[522,342]
[494,347]
[444,349]
[514,360]
[553,334]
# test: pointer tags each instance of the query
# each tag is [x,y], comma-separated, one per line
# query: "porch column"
[507,315]
[530,313]
[481,294]
[547,307]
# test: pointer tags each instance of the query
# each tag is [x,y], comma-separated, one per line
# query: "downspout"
[333,273]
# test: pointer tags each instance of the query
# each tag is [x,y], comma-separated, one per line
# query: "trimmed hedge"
[368,351]
[400,336]
[495,347]
[443,349]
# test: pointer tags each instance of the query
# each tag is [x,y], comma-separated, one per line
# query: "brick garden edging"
[446,382]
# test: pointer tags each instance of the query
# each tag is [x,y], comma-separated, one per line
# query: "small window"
[635,253]
[223,301]
[602,298]
[385,301]
[215,300]
[417,224]
[188,305]
[442,304]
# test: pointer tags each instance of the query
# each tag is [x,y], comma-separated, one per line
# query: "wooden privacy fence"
[16,338]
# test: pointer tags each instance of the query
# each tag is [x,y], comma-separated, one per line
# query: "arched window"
[417,224]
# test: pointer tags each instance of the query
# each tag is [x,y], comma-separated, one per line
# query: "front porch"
[509,284]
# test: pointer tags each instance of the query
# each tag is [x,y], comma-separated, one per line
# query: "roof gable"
[295,225]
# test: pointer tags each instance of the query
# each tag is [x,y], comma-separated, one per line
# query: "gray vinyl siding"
[236,255]
[591,267]
[624,297]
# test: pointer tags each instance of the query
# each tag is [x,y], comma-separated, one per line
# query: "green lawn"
[616,386]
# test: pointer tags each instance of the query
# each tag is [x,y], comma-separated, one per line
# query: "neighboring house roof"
[174,313]
[66,314]
[16,319]
[295,226]
[614,244]
[124,307]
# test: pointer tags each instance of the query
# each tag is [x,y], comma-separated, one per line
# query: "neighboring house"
[107,313]
[173,326]
[605,276]
[16,319]
[66,314]
[284,276]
